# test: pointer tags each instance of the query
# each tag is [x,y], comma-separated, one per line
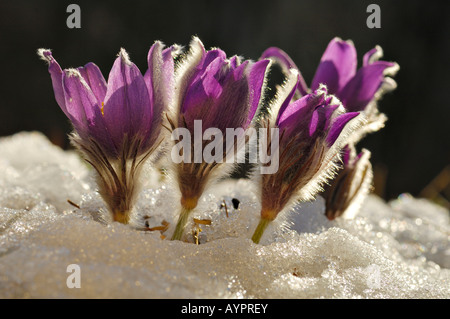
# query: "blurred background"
[411,154]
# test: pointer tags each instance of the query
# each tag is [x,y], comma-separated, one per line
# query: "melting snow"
[389,250]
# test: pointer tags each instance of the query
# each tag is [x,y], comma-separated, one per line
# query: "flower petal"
[299,111]
[160,82]
[186,72]
[223,93]
[127,108]
[84,111]
[337,66]
[228,110]
[56,74]
[286,63]
[79,99]
[256,78]
[160,74]
[95,80]
[360,90]
[373,55]
[205,88]
[238,68]
[338,125]
[212,79]
[321,118]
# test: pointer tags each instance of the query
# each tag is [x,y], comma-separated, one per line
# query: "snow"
[389,250]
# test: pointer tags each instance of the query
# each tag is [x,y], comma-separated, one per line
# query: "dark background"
[408,154]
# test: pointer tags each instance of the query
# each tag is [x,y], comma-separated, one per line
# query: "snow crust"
[389,250]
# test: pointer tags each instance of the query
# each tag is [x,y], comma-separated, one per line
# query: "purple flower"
[350,186]
[117,123]
[223,93]
[220,93]
[358,90]
[312,131]
[338,71]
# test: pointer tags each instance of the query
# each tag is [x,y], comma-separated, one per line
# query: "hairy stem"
[259,231]
[182,221]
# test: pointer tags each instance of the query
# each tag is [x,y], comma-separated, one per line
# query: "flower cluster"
[121,123]
[358,90]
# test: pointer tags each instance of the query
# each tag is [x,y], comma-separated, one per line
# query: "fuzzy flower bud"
[313,129]
[116,123]
[215,96]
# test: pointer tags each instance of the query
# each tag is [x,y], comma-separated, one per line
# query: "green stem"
[182,221]
[259,231]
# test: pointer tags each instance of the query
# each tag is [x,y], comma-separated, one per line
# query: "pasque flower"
[347,190]
[359,90]
[312,132]
[116,123]
[219,93]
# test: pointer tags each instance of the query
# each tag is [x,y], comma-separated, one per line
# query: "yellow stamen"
[103,105]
